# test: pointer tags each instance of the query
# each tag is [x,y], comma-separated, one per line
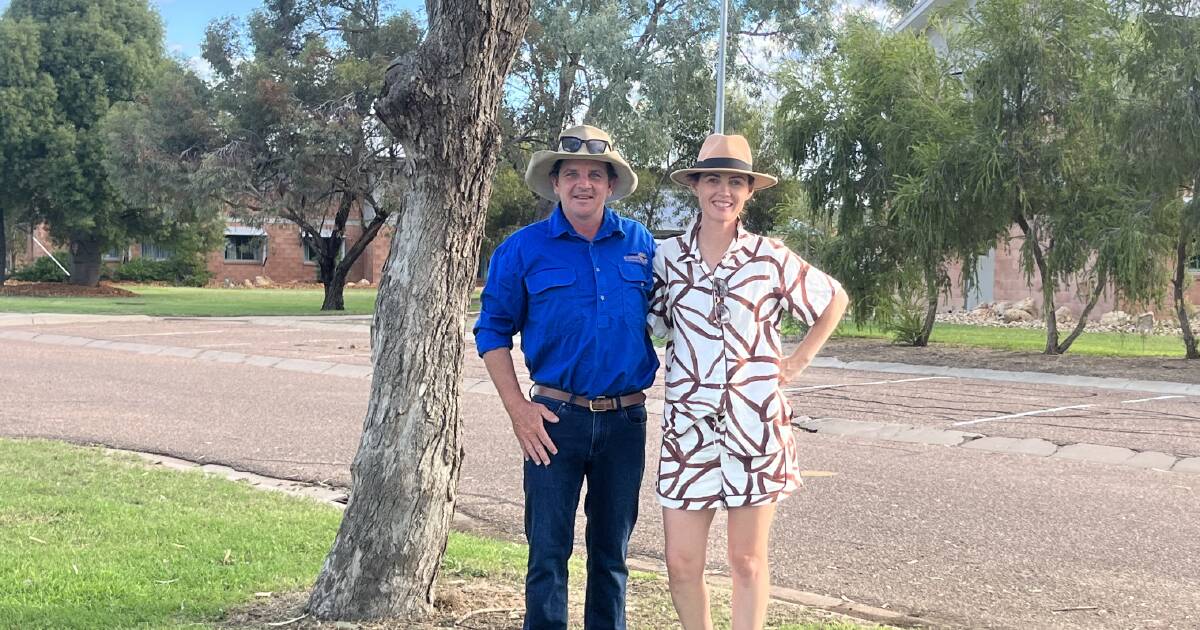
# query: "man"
[576,286]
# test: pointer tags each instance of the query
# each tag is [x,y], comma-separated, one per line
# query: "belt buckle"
[605,404]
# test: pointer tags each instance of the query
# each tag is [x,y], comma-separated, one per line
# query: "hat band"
[722,162]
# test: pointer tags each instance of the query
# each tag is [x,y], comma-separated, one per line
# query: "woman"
[719,294]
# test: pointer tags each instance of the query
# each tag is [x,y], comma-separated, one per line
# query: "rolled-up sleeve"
[502,304]
[808,291]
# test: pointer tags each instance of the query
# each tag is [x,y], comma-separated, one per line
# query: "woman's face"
[722,195]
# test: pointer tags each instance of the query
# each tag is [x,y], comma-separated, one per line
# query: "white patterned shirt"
[731,370]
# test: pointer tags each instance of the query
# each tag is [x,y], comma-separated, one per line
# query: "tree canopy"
[65,63]
[285,131]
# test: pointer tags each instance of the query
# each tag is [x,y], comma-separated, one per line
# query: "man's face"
[582,185]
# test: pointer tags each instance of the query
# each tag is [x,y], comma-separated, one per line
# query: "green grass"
[197,302]
[96,540]
[1034,340]
[89,541]
[93,540]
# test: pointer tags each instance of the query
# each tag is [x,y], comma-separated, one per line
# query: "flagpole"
[719,118]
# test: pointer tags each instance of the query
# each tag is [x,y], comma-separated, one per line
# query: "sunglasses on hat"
[571,144]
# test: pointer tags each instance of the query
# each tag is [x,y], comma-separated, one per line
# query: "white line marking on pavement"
[171,334]
[1019,415]
[223,345]
[903,380]
[1138,400]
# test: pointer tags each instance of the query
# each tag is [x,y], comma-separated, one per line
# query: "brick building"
[274,250]
[278,251]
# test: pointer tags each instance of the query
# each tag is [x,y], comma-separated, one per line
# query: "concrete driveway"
[962,536]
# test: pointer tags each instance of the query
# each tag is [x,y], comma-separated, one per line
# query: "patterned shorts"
[696,471]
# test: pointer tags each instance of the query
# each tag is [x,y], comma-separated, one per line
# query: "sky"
[185,21]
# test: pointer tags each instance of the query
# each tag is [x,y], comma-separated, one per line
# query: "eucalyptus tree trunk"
[931,304]
[1178,284]
[85,261]
[333,277]
[441,103]
[1048,308]
[3,249]
[335,286]
[1101,283]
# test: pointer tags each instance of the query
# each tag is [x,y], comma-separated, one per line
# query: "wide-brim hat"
[725,154]
[537,176]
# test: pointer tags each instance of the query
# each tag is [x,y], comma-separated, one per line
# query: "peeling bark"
[441,103]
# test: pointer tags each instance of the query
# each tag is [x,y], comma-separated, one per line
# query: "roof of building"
[918,17]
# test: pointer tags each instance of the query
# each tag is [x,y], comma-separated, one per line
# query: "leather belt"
[603,403]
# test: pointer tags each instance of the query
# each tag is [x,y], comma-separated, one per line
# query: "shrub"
[142,270]
[44,270]
[188,271]
[903,317]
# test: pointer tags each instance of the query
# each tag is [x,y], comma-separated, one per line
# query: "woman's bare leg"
[687,543]
[749,530]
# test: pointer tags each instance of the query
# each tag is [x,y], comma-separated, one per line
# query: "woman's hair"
[695,178]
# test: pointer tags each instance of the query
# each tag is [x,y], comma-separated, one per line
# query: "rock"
[1114,318]
[1000,307]
[248,284]
[983,312]
[1017,315]
[262,282]
[1145,323]
[228,284]
[1064,315]
[364,283]
[1026,305]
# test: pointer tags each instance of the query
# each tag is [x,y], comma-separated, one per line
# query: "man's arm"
[502,314]
[527,417]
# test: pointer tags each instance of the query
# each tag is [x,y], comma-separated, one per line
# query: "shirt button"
[601,298]
[597,270]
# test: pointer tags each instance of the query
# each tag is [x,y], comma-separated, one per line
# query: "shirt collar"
[691,240]
[559,225]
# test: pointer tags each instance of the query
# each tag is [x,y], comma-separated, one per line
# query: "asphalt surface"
[964,538]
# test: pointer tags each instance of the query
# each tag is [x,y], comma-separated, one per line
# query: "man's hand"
[792,367]
[528,421]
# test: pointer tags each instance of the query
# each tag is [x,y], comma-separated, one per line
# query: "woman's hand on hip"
[792,367]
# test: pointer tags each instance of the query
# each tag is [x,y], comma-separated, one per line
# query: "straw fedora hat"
[725,154]
[588,143]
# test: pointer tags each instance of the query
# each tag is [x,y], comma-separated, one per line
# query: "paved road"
[962,537]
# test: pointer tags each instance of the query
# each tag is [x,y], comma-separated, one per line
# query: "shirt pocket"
[552,301]
[636,285]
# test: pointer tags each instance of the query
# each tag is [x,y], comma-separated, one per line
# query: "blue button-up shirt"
[579,305]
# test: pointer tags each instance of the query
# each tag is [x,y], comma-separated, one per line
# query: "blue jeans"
[608,449]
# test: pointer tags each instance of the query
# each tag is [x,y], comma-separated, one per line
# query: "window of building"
[116,254]
[310,252]
[1194,264]
[154,252]
[245,247]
